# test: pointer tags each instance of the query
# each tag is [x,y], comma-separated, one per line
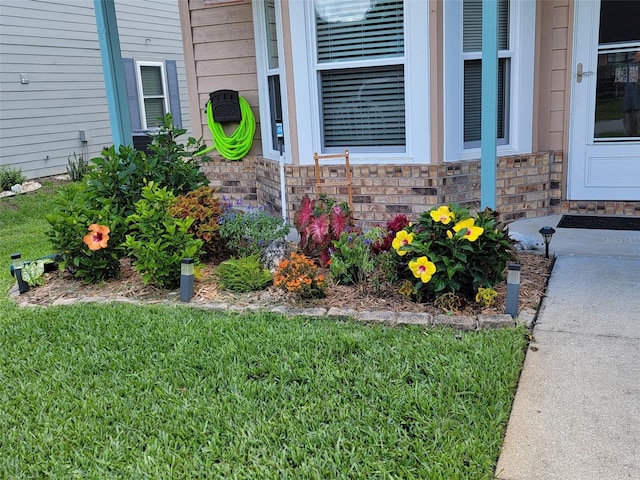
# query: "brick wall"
[528,186]
[234,180]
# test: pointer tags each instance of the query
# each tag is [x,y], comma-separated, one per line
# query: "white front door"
[604,127]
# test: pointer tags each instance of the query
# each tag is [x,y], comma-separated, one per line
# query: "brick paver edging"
[458,322]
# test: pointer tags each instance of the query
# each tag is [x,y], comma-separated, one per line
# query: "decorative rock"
[306,312]
[458,322]
[526,242]
[527,317]
[495,321]
[16,189]
[342,312]
[415,318]
[274,253]
[389,318]
[64,301]
[93,300]
[215,306]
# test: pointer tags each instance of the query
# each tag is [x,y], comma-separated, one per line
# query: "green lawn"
[121,391]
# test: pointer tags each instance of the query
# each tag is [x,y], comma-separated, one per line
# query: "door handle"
[581,73]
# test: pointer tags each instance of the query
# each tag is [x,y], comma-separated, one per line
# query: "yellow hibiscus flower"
[471,232]
[442,215]
[422,268]
[401,239]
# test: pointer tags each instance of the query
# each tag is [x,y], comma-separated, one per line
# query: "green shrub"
[173,164]
[9,177]
[450,251]
[74,212]
[108,195]
[120,174]
[244,274]
[246,233]
[157,241]
[203,206]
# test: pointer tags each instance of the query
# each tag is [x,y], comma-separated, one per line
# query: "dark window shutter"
[174,92]
[132,93]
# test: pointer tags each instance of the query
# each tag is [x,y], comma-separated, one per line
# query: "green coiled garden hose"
[237,145]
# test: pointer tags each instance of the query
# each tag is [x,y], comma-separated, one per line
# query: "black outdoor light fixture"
[513,289]
[547,233]
[17,264]
[186,279]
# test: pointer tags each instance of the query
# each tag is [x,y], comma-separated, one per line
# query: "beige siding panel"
[241,83]
[236,31]
[214,51]
[222,38]
[221,15]
[229,66]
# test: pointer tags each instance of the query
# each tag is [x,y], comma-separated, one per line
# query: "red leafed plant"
[393,226]
[320,222]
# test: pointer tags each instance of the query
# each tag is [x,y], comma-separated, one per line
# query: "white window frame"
[519,110]
[165,92]
[416,65]
[264,72]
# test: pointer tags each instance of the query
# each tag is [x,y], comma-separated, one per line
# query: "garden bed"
[60,287]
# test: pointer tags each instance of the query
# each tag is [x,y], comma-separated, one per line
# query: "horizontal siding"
[224,54]
[55,42]
[150,31]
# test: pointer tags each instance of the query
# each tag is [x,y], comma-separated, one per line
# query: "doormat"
[599,223]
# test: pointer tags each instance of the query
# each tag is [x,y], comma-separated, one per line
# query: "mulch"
[58,286]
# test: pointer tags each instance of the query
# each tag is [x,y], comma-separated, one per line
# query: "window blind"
[151,81]
[357,29]
[272,37]
[472,25]
[153,94]
[473,98]
[363,107]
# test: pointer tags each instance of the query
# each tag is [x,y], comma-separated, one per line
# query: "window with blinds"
[272,72]
[153,95]
[360,63]
[472,53]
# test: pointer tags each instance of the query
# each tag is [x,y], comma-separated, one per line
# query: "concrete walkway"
[576,414]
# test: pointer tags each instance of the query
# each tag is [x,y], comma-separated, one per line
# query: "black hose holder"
[225,105]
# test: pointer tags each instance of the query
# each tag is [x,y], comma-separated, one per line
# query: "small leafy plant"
[353,261]
[77,167]
[486,296]
[244,274]
[9,177]
[204,207]
[248,232]
[320,222]
[158,242]
[299,275]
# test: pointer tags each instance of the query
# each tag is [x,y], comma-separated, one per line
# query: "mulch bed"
[535,272]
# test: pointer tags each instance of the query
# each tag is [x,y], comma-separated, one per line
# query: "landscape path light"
[547,233]
[17,264]
[186,279]
[513,289]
